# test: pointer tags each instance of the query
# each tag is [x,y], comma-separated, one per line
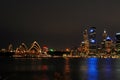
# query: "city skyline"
[57,24]
[87,32]
[42,44]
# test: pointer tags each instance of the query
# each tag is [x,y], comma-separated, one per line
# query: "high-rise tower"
[104,36]
[108,44]
[86,41]
[92,39]
[117,36]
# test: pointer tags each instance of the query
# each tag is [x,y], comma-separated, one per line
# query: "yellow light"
[67,49]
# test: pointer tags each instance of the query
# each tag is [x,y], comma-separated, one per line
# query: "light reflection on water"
[107,68]
[92,68]
[60,69]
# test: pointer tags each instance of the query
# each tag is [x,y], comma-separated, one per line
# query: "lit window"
[91,30]
[92,41]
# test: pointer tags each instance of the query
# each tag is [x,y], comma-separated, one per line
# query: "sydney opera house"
[87,47]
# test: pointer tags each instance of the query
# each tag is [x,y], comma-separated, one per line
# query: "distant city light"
[51,50]
[108,38]
[118,33]
[67,49]
[105,31]
[92,41]
[45,47]
[118,37]
[82,42]
[91,30]
[89,46]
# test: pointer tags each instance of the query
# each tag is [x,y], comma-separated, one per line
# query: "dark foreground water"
[60,69]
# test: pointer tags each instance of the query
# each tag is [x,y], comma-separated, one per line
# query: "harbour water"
[60,69]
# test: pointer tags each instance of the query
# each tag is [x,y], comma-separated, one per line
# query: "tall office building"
[92,39]
[86,41]
[104,36]
[117,36]
[108,44]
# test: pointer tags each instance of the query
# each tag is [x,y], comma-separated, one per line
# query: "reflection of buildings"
[92,69]
[67,66]
[67,70]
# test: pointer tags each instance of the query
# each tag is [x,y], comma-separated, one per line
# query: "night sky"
[55,23]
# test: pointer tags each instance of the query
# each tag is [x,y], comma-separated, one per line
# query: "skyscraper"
[117,36]
[92,39]
[104,35]
[108,44]
[86,41]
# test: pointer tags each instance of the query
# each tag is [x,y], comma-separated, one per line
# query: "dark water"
[60,69]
